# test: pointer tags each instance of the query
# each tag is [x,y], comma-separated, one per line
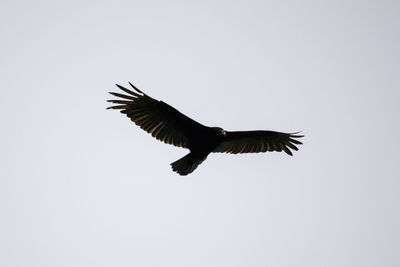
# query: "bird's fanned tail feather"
[187,164]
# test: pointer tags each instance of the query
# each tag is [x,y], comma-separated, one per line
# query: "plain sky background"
[83,186]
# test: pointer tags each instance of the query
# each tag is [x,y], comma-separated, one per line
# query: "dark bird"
[172,127]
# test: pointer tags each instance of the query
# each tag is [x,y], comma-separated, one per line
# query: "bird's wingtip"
[297,134]
[134,87]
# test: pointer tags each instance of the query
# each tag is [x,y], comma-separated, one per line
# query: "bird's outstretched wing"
[156,117]
[258,141]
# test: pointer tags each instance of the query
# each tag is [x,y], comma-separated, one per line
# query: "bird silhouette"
[167,124]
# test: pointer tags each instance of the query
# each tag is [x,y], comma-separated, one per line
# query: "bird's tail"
[187,164]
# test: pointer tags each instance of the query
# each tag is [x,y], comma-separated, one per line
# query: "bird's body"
[169,125]
[210,138]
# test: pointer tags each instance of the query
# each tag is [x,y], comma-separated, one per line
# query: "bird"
[170,126]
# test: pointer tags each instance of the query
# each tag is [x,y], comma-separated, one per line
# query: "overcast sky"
[83,186]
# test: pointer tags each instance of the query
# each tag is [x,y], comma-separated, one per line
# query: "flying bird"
[167,124]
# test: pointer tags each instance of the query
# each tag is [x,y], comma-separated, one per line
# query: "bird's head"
[219,131]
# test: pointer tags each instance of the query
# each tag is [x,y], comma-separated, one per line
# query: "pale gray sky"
[83,186]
